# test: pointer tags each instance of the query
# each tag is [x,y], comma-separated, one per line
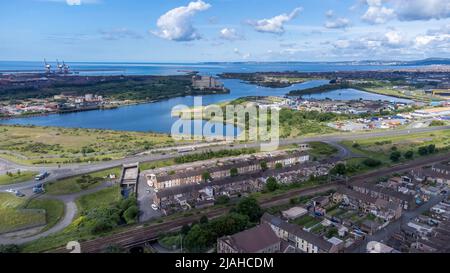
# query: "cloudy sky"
[224,30]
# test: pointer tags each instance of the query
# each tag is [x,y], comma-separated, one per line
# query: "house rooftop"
[253,240]
[298,231]
[229,166]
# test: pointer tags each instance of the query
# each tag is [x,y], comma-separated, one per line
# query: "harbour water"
[156,117]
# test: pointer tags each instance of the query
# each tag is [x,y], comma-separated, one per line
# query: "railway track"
[140,234]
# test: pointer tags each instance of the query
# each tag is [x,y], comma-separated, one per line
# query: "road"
[140,234]
[70,211]
[78,169]
[73,170]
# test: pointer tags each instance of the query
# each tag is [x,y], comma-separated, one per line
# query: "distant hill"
[430,61]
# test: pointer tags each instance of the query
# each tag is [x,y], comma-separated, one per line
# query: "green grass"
[71,185]
[15,178]
[75,232]
[53,145]
[302,221]
[98,199]
[321,149]
[157,164]
[170,241]
[381,148]
[13,216]
[54,210]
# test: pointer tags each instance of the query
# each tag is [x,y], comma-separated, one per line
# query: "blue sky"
[223,30]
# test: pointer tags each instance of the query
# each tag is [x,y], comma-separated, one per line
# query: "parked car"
[41,176]
[20,194]
[39,188]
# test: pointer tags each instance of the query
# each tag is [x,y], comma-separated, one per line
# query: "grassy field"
[54,210]
[75,230]
[381,148]
[13,216]
[14,178]
[321,150]
[102,198]
[77,184]
[51,145]
[157,164]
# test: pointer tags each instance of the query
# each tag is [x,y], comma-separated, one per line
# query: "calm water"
[156,117]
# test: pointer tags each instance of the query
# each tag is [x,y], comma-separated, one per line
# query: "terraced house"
[302,240]
[199,195]
[243,167]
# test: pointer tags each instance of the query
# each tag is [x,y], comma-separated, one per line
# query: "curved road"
[78,169]
[70,211]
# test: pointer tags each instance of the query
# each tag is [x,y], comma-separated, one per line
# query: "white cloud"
[275,24]
[338,23]
[434,38]
[73,2]
[377,13]
[329,13]
[176,24]
[230,34]
[381,11]
[394,38]
[342,44]
[409,10]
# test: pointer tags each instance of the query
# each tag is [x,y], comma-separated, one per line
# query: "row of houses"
[386,194]
[439,173]
[381,208]
[218,172]
[427,233]
[204,194]
[274,235]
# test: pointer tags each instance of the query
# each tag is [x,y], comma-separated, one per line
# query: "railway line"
[139,235]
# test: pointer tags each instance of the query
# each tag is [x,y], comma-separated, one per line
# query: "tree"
[409,154]
[206,176]
[222,200]
[431,149]
[234,172]
[423,150]
[395,156]
[264,166]
[114,249]
[437,123]
[198,239]
[279,166]
[249,206]
[272,184]
[9,249]
[339,169]
[185,229]
[369,162]
[204,220]
[130,215]
[229,224]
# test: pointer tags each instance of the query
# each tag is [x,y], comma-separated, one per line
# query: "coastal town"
[225,136]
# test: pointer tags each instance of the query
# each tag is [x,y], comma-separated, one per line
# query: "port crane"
[60,67]
[48,67]
[66,68]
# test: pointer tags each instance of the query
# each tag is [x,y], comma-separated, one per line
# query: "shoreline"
[227,91]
